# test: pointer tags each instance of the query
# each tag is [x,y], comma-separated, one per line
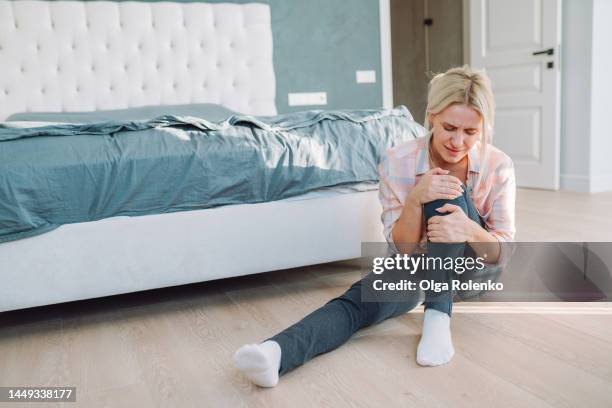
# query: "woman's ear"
[430,119]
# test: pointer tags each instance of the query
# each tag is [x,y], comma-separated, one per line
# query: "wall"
[318,46]
[577,29]
[601,106]
[586,87]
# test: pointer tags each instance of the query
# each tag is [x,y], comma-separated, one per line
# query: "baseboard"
[601,183]
[577,183]
[586,308]
[585,184]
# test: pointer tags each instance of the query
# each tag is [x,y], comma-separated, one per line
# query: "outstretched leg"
[321,331]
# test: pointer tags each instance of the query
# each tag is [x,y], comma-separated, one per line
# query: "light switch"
[307,98]
[366,77]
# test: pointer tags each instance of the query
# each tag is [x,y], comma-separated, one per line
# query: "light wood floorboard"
[172,347]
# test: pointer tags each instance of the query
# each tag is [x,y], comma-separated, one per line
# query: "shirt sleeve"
[391,204]
[501,221]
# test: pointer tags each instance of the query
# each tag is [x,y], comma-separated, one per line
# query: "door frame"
[386,58]
[384,12]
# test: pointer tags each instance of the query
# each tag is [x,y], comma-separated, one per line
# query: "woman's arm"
[406,231]
[500,221]
[484,244]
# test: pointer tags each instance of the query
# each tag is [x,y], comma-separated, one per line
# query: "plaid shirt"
[493,195]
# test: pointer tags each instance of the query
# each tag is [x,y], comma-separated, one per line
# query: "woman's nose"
[457,141]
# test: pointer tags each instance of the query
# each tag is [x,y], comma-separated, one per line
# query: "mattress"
[210,111]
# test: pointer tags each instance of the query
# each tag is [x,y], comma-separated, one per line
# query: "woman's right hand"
[436,184]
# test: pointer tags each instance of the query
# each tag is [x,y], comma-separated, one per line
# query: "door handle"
[549,51]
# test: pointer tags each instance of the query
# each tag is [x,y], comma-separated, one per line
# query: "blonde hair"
[466,86]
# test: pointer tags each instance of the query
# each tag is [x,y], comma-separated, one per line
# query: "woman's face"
[455,130]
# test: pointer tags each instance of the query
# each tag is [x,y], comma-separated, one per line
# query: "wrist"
[413,200]
[473,231]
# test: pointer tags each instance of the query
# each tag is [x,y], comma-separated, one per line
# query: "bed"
[66,56]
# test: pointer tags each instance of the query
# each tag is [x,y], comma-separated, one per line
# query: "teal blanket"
[59,173]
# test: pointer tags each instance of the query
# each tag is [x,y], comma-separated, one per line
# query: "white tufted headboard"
[84,56]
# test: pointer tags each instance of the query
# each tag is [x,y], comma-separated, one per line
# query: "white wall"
[577,30]
[586,56]
[601,105]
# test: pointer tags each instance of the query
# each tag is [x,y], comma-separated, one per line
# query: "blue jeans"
[443,301]
[335,322]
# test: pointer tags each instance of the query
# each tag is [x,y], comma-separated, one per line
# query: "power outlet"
[307,98]
[365,77]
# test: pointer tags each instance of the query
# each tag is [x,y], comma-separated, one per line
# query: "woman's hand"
[436,184]
[455,227]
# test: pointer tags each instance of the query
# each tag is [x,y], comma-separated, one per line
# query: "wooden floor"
[173,347]
[544,216]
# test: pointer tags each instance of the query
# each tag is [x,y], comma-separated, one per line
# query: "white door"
[518,42]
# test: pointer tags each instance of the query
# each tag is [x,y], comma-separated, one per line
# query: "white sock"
[259,362]
[436,346]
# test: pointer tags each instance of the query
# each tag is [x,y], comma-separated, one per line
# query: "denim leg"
[332,325]
[443,301]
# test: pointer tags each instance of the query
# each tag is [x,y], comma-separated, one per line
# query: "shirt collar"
[423,157]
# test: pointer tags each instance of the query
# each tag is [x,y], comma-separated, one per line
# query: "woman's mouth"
[453,152]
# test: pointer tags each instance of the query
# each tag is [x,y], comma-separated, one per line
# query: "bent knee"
[430,208]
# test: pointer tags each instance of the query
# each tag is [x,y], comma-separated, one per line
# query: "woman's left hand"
[455,227]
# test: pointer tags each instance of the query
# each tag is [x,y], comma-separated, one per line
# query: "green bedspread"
[57,173]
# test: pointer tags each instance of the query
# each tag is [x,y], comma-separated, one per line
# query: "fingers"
[438,171]
[445,176]
[445,193]
[448,208]
[452,181]
[454,191]
[434,229]
[436,232]
[445,183]
[435,236]
[441,186]
[436,219]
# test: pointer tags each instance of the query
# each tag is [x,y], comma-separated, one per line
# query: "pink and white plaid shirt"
[493,196]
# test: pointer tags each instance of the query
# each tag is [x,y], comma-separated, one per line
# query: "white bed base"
[127,254]
[57,56]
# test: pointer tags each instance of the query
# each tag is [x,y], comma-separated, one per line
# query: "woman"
[452,193]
